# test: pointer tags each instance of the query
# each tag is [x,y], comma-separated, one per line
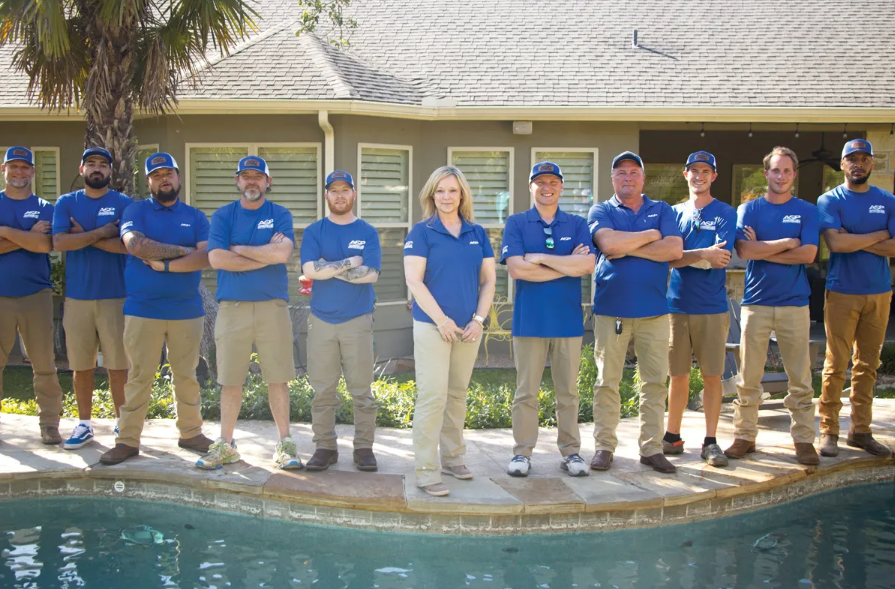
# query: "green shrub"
[887,359]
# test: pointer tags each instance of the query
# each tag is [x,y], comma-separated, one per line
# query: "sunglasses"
[697,217]
[548,237]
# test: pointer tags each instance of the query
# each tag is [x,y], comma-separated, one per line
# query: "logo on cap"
[338,175]
[545,168]
[701,157]
[159,159]
[859,144]
[20,152]
[251,163]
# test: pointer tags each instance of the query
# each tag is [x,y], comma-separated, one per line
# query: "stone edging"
[596,518]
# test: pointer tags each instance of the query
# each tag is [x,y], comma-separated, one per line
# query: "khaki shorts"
[702,335]
[267,325]
[91,326]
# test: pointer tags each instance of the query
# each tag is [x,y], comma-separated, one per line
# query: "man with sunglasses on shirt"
[547,251]
[637,238]
[697,301]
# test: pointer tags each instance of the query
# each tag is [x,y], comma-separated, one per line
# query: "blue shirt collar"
[435,223]
[533,216]
[156,205]
[647,202]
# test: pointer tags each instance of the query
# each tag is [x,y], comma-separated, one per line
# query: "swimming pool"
[843,539]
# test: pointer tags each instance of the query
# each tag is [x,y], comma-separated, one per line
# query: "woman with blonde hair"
[450,270]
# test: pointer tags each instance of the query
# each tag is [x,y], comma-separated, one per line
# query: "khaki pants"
[792,326]
[565,358]
[143,339]
[651,346]
[32,317]
[91,326]
[335,349]
[443,370]
[853,322]
[267,325]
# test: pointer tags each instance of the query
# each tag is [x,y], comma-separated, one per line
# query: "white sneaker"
[574,465]
[519,466]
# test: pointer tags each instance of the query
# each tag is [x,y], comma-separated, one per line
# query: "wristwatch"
[166,266]
[480,319]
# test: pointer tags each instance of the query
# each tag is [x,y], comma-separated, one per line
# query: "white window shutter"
[488,174]
[384,185]
[578,179]
[46,174]
[295,182]
[213,176]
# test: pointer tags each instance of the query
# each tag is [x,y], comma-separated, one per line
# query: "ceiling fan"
[823,156]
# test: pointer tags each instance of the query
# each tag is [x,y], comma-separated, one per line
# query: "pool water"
[843,539]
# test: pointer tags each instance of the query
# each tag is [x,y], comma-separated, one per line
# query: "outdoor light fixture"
[522,127]
[845,131]
[750,129]
[892,130]
[797,130]
[702,129]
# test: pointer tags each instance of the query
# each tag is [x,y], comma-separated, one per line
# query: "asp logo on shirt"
[881,209]
[31,215]
[408,245]
[357,244]
[792,219]
[106,211]
[265,224]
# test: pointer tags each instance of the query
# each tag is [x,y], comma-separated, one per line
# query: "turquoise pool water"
[843,539]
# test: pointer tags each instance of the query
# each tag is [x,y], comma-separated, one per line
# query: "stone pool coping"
[627,496]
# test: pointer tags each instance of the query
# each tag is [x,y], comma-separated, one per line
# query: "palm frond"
[44,21]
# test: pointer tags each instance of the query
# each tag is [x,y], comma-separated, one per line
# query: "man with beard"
[26,295]
[250,243]
[697,301]
[85,224]
[778,235]
[341,253]
[167,242]
[858,224]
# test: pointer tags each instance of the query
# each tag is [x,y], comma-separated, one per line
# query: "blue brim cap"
[627,155]
[857,145]
[544,168]
[100,151]
[159,161]
[21,154]
[253,162]
[702,157]
[339,176]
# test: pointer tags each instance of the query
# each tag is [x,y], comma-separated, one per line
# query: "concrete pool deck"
[548,500]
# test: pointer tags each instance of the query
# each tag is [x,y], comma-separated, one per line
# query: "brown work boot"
[740,448]
[199,443]
[864,442]
[658,462]
[322,458]
[601,460]
[49,435]
[829,445]
[364,459]
[119,453]
[806,454]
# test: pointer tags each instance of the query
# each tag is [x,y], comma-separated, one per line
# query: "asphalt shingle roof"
[752,53]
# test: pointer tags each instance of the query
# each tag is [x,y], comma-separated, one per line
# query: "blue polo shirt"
[24,273]
[163,295]
[694,291]
[858,272]
[334,300]
[234,225]
[631,286]
[769,283]
[452,266]
[91,273]
[552,308]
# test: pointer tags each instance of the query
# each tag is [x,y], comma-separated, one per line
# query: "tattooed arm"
[140,246]
[197,259]
[359,275]
[323,270]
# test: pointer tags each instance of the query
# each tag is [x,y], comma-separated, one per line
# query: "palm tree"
[112,58]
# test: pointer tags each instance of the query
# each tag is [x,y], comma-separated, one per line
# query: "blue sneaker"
[79,437]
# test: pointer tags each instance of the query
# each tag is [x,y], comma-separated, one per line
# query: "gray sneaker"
[714,455]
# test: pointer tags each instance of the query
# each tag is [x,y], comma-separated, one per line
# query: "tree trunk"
[107,100]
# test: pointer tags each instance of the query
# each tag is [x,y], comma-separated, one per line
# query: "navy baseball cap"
[161,160]
[856,145]
[544,168]
[339,175]
[100,151]
[22,154]
[253,162]
[701,157]
[627,155]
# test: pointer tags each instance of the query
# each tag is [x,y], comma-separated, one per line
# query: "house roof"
[454,54]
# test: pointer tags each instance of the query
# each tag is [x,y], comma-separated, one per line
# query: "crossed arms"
[37,239]
[782,251]
[843,242]
[546,267]
[648,244]
[242,258]
[348,270]
[104,238]
[155,253]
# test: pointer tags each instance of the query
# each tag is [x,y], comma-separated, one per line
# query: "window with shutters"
[143,153]
[383,186]
[667,182]
[47,183]
[489,171]
[579,170]
[295,171]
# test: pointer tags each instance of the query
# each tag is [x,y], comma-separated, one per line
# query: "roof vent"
[634,40]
